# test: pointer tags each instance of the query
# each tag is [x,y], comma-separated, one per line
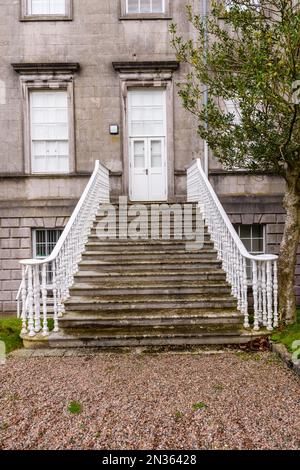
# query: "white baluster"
[60,279]
[30,303]
[259,267]
[269,296]
[44,300]
[24,297]
[37,299]
[245,294]
[239,283]
[255,295]
[55,306]
[264,294]
[275,324]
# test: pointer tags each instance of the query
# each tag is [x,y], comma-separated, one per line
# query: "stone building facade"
[100,55]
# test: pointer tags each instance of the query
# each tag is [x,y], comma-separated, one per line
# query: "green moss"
[178,415]
[10,329]
[288,335]
[248,356]
[199,406]
[74,407]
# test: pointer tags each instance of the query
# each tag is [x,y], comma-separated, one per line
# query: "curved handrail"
[244,252]
[53,276]
[68,227]
[234,255]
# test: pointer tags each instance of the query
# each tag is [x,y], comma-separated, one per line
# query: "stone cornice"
[42,68]
[153,66]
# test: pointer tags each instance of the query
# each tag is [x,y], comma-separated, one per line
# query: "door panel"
[157,167]
[139,177]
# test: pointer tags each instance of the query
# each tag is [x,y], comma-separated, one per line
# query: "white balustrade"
[46,282]
[234,256]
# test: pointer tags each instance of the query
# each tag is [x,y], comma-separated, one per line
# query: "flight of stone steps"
[148,293]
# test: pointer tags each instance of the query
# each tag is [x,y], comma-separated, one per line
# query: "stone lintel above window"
[149,67]
[28,68]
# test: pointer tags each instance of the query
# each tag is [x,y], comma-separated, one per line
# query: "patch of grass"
[10,329]
[74,407]
[199,406]
[3,426]
[245,356]
[178,415]
[218,387]
[14,397]
[288,335]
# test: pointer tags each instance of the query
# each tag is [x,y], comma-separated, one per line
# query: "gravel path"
[146,402]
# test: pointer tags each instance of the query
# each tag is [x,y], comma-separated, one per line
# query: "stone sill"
[45,18]
[216,172]
[54,175]
[145,16]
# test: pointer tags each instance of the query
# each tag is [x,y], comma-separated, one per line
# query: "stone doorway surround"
[148,74]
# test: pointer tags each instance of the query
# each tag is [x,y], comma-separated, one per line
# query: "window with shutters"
[46,9]
[145,9]
[49,132]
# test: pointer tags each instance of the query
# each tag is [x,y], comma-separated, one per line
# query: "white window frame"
[30,83]
[147,12]
[53,170]
[34,250]
[34,239]
[26,15]
[229,5]
[249,263]
[238,230]
[165,14]
[232,107]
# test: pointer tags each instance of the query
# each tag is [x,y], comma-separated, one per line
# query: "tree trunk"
[288,250]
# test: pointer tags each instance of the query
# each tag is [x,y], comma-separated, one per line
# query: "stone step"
[146,343]
[78,319]
[122,246]
[181,234]
[145,283]
[140,331]
[150,265]
[148,340]
[145,303]
[138,290]
[169,276]
[150,255]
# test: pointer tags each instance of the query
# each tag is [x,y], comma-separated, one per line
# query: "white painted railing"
[234,255]
[36,295]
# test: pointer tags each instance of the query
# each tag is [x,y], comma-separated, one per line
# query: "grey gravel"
[146,402]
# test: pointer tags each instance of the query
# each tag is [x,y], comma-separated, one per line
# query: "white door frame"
[147,149]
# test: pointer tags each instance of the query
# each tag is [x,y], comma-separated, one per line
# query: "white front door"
[147,145]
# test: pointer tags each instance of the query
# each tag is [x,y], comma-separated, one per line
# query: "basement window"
[43,243]
[254,239]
